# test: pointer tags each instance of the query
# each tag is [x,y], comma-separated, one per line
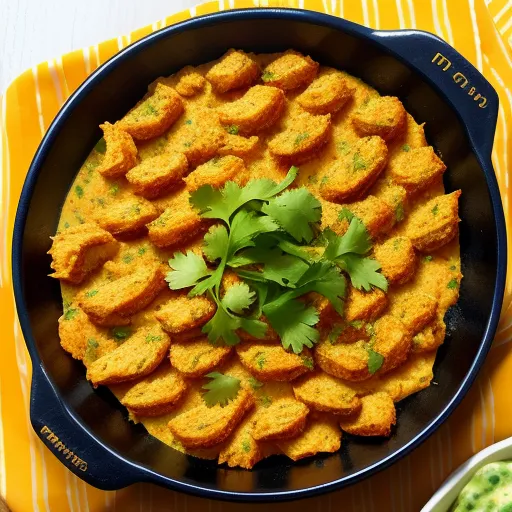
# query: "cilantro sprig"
[221,389]
[270,237]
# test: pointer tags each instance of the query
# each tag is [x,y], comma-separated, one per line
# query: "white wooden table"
[32,31]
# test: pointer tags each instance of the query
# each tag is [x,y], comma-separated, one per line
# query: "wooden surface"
[32,31]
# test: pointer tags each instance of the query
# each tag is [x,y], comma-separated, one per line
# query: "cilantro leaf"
[238,297]
[333,287]
[295,210]
[222,326]
[222,203]
[254,327]
[221,389]
[284,269]
[255,383]
[294,250]
[345,213]
[211,282]
[187,270]
[375,360]
[120,333]
[245,227]
[355,240]
[363,272]
[293,322]
[215,242]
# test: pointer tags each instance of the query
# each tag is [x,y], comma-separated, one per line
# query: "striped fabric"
[32,479]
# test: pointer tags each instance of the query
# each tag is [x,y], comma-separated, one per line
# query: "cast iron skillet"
[88,430]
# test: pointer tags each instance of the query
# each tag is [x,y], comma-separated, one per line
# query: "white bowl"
[446,495]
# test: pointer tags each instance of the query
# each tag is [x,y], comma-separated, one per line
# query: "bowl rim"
[315,18]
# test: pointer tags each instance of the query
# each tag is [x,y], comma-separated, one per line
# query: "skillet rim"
[144,473]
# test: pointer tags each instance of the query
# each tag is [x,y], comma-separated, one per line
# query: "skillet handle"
[91,461]
[458,80]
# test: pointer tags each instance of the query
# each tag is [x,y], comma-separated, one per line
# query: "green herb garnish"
[255,383]
[268,76]
[358,163]
[375,361]
[452,284]
[221,389]
[70,314]
[120,333]
[399,212]
[265,225]
[101,146]
[300,138]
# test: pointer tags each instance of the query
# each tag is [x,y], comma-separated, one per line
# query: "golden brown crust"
[199,137]
[430,337]
[283,419]
[241,449]
[377,215]
[154,115]
[125,296]
[326,95]
[384,116]
[121,153]
[136,357]
[216,172]
[392,341]
[435,223]
[413,376]
[234,71]
[347,361]
[156,394]
[204,426]
[158,175]
[321,434]
[175,227]
[81,338]
[196,357]
[272,362]
[181,314]
[414,309]
[304,136]
[190,82]
[376,418]
[397,258]
[126,216]
[79,250]
[323,392]
[361,305]
[239,146]
[356,172]
[395,196]
[259,108]
[290,71]
[416,169]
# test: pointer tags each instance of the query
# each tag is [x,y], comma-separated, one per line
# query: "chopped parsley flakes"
[452,284]
[358,163]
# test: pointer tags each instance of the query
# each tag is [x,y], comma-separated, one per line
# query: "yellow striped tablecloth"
[32,479]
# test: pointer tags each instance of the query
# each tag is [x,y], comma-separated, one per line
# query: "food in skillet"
[258,257]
